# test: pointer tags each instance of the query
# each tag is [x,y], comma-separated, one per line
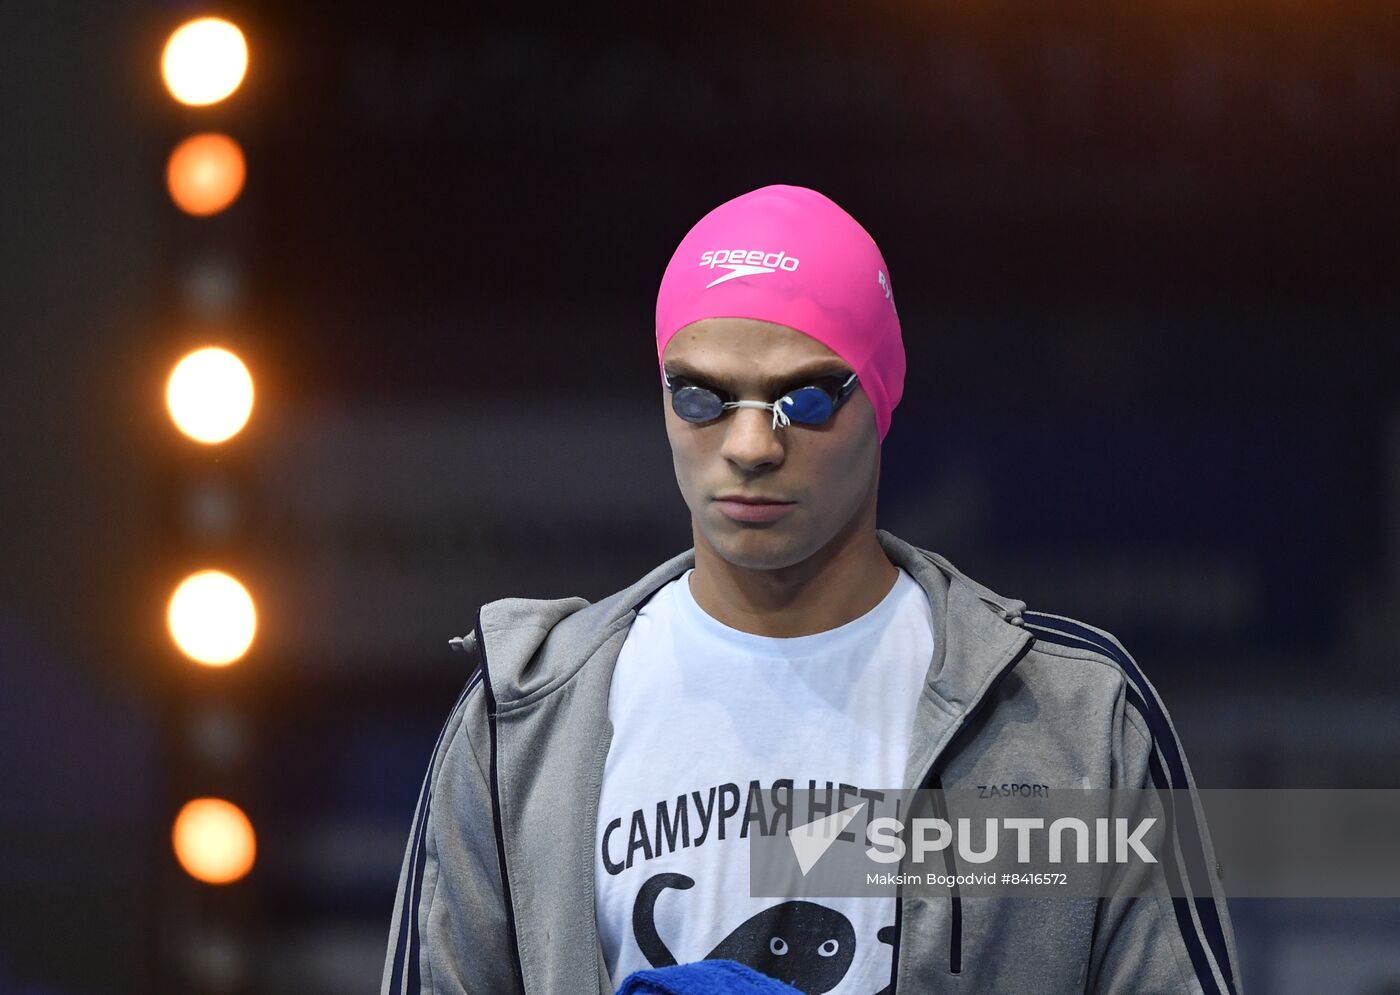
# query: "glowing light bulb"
[205,174]
[214,841]
[210,395]
[212,618]
[204,61]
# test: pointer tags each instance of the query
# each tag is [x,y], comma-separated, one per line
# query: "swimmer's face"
[828,474]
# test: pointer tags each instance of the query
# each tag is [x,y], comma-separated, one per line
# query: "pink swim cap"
[791,256]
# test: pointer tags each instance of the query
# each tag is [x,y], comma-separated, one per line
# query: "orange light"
[205,173]
[204,61]
[210,395]
[211,618]
[214,841]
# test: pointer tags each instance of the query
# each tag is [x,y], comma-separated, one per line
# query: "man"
[585,812]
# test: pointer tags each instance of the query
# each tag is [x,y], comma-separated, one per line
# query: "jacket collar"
[537,646]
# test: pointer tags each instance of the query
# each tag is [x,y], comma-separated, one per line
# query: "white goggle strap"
[780,417]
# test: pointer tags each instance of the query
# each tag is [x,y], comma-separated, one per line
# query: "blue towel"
[706,977]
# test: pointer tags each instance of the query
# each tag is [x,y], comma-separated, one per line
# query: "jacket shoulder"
[1065,637]
[1069,641]
[1059,635]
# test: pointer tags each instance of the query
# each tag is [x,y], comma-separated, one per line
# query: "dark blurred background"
[1145,258]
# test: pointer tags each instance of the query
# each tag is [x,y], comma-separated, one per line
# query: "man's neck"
[836,585]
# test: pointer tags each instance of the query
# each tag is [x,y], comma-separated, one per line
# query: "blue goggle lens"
[809,405]
[695,404]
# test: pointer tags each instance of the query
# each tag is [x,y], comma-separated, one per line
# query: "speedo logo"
[746,262]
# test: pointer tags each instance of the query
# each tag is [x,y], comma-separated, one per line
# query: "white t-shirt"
[700,712]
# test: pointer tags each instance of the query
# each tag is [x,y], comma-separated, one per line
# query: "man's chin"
[763,547]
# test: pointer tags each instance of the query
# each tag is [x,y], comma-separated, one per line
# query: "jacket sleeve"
[1150,936]
[449,932]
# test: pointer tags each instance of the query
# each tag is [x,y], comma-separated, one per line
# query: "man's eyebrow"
[822,368]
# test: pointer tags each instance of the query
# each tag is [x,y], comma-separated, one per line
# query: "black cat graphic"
[804,944]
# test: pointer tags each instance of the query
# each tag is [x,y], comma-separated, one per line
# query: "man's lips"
[751,508]
[750,499]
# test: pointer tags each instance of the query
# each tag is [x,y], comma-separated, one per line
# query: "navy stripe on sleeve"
[406,948]
[1140,694]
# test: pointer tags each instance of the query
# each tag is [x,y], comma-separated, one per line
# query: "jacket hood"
[534,646]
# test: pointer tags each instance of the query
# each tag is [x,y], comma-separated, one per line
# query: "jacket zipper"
[940,810]
[511,937]
[931,779]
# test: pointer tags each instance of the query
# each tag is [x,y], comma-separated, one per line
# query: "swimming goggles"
[808,405]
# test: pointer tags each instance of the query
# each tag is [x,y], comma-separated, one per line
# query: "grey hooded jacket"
[496,893]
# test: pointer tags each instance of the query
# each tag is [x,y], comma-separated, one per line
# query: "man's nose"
[751,441]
